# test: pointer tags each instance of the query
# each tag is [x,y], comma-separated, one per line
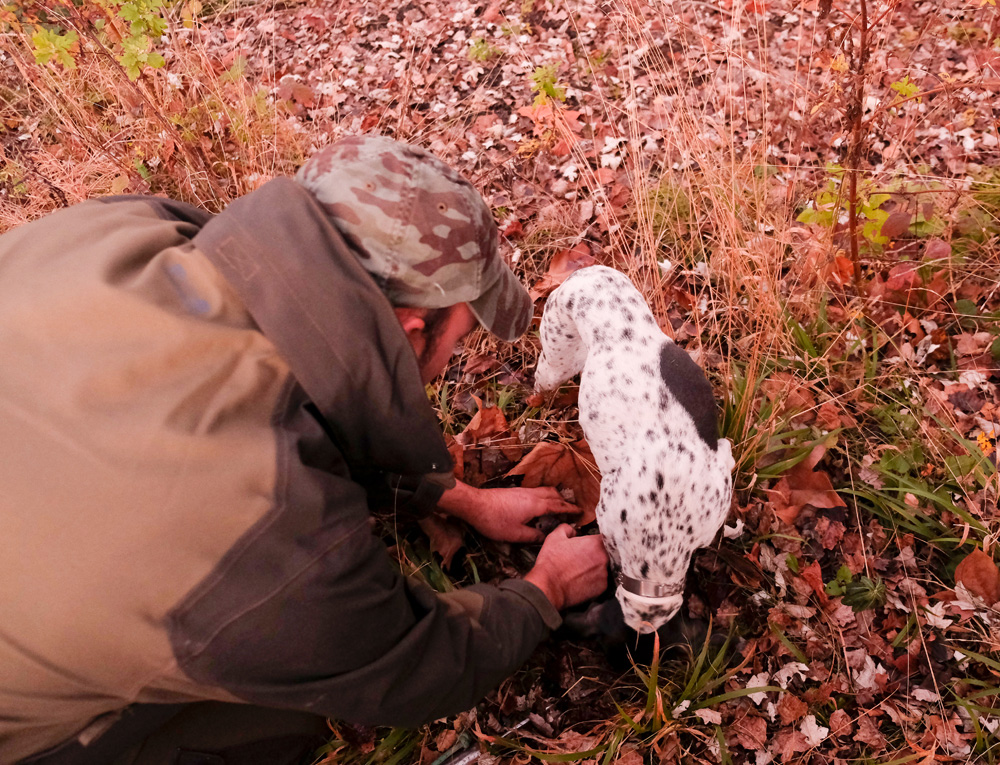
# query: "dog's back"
[650,418]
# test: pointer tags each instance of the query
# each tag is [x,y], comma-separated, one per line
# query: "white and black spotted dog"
[649,415]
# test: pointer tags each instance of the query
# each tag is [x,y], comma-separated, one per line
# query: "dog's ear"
[724,450]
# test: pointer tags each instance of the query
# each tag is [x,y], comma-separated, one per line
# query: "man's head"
[433,333]
[421,230]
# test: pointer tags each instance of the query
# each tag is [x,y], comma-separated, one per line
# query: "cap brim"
[505,308]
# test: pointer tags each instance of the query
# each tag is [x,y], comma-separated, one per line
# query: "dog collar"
[647,589]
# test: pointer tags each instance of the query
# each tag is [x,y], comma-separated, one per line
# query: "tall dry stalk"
[855,113]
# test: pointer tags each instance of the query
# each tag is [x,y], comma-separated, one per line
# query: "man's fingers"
[561,507]
[525,534]
[565,529]
[548,501]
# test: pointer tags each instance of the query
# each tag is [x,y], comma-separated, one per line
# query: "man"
[197,412]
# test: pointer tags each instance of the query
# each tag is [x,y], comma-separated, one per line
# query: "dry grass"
[199,132]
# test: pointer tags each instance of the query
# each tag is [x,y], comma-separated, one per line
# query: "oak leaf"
[790,396]
[486,422]
[980,576]
[445,537]
[565,466]
[457,452]
[751,732]
[840,723]
[290,89]
[489,427]
[904,277]
[813,576]
[897,224]
[480,363]
[445,740]
[868,733]
[803,485]
[789,743]
[513,230]
[562,265]
[791,708]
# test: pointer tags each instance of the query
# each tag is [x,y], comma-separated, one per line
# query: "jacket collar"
[328,319]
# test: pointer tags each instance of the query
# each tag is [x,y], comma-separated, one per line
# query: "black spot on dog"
[644,570]
[624,516]
[689,386]
[659,480]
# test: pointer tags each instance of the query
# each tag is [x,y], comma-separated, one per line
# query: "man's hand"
[504,514]
[570,569]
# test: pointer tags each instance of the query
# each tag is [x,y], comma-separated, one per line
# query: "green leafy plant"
[482,50]
[543,80]
[905,88]
[127,29]
[860,594]
[50,44]
[864,593]
[829,205]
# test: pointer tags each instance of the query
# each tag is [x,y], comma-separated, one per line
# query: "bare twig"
[855,115]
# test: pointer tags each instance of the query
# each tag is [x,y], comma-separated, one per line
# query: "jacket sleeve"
[405,497]
[309,612]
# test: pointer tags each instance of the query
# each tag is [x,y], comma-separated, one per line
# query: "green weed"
[482,50]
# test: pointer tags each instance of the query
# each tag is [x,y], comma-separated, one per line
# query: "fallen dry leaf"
[813,576]
[751,732]
[868,733]
[943,732]
[840,723]
[445,740]
[790,395]
[897,224]
[789,743]
[565,466]
[486,422]
[562,265]
[629,757]
[445,536]
[457,452]
[791,708]
[804,485]
[980,576]
[829,533]
[903,277]
[291,89]
[479,364]
[489,427]
[828,416]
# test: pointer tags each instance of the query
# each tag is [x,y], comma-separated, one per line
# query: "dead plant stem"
[856,114]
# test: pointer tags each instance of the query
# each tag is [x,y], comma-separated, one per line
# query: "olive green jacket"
[189,408]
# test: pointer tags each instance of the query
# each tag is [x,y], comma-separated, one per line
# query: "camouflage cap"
[419,228]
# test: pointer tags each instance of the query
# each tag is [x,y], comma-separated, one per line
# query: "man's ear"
[413,324]
[411,319]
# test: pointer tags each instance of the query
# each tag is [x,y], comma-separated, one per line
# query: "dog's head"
[645,614]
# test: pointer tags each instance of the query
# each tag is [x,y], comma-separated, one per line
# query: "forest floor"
[809,199]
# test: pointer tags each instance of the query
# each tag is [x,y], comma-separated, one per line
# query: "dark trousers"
[207,733]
